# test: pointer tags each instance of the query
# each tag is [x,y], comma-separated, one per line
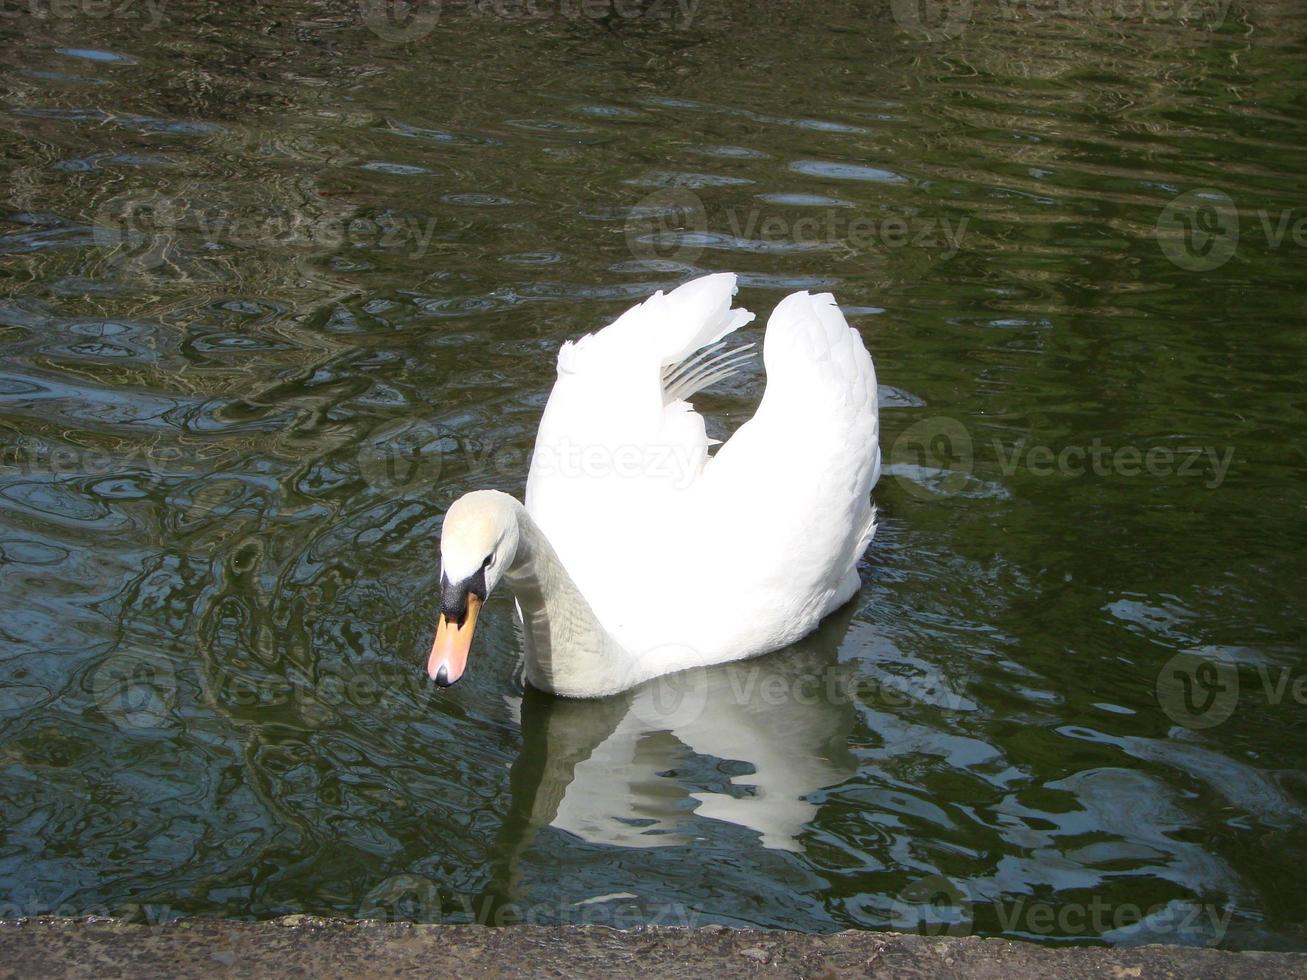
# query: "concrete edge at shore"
[307,945]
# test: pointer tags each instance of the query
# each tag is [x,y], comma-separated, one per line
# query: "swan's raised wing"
[618,434]
[801,470]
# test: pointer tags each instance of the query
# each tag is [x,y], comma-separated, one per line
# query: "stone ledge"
[308,946]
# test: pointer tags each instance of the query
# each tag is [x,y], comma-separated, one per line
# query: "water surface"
[279,285]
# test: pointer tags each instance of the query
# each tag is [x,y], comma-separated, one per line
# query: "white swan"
[638,554]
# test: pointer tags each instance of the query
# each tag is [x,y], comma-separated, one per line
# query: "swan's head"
[478,543]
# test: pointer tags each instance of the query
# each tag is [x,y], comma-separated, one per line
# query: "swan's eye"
[490,560]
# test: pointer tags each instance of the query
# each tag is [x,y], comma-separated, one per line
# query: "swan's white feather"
[687,559]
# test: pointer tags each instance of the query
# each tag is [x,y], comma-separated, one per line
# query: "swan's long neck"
[567,649]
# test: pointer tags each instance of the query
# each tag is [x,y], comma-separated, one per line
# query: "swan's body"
[638,554]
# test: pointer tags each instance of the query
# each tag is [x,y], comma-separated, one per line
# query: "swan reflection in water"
[620,771]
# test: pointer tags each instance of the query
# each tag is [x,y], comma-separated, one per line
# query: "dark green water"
[279,286]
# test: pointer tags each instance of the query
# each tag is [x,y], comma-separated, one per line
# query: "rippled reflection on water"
[278,288]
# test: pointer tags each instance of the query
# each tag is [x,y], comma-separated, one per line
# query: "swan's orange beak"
[453,641]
